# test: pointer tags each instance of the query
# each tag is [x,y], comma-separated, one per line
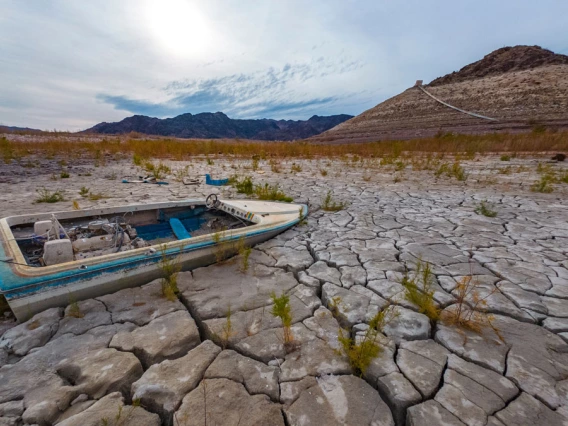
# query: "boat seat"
[179,230]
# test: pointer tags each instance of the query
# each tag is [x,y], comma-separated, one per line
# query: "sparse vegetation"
[454,170]
[227,330]
[76,205]
[543,185]
[243,186]
[484,209]
[158,171]
[46,196]
[170,268]
[244,252]
[84,191]
[74,309]
[330,205]
[418,290]
[323,172]
[505,157]
[296,168]
[281,309]
[271,193]
[95,196]
[361,351]
[64,175]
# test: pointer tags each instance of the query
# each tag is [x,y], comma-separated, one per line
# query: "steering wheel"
[211,201]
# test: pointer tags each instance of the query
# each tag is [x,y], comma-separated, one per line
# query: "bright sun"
[179,27]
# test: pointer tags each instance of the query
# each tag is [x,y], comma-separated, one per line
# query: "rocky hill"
[218,125]
[521,87]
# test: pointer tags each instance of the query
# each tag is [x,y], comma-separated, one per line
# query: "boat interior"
[57,240]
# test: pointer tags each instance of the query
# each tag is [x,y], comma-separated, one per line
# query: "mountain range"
[209,125]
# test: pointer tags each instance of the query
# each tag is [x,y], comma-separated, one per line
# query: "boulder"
[162,387]
[290,391]
[167,337]
[222,401]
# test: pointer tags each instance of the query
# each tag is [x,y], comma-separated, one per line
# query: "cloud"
[284,91]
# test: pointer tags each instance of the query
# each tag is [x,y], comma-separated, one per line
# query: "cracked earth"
[135,345]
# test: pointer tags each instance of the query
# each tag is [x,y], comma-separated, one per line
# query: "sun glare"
[179,27]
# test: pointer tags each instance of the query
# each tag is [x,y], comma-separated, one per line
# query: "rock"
[92,313]
[9,421]
[338,256]
[12,409]
[73,410]
[495,383]
[527,411]
[101,372]
[324,273]
[556,325]
[81,398]
[355,305]
[339,400]
[255,376]
[555,307]
[162,387]
[139,305]
[522,298]
[422,362]
[247,323]
[291,259]
[431,413]
[290,391]
[312,282]
[399,394]
[486,349]
[33,333]
[112,408]
[207,293]
[407,325]
[353,275]
[451,399]
[223,401]
[167,337]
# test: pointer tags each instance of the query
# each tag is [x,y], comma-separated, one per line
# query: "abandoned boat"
[49,259]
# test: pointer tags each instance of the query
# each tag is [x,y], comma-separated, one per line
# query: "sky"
[70,64]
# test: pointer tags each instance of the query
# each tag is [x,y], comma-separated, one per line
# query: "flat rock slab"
[140,305]
[86,315]
[162,387]
[293,260]
[255,376]
[407,325]
[211,291]
[98,373]
[339,400]
[33,333]
[528,411]
[321,271]
[167,337]
[422,362]
[109,409]
[431,413]
[399,394]
[222,401]
[356,305]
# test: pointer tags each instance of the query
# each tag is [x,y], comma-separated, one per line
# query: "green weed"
[484,209]
[46,196]
[331,205]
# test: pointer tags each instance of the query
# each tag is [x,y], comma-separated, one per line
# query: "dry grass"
[180,149]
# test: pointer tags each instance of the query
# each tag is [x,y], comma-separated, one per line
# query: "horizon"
[83,64]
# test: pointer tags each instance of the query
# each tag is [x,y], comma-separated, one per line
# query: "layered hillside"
[520,86]
[218,125]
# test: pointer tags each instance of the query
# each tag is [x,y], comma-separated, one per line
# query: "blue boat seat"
[179,230]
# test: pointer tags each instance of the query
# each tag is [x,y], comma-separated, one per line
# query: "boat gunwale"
[264,224]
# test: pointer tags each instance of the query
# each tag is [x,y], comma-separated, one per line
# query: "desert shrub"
[296,168]
[46,196]
[330,205]
[505,157]
[281,309]
[170,268]
[543,185]
[418,290]
[271,193]
[243,186]
[361,352]
[484,209]
[323,172]
[64,175]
